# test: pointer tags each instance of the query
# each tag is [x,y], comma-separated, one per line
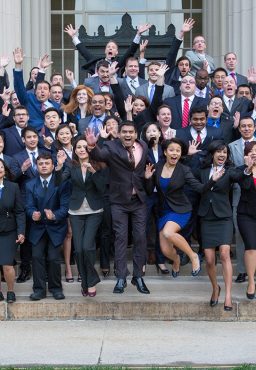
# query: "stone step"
[184,298]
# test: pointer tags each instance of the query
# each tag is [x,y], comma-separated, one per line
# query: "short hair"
[114,42]
[28,128]
[248,147]
[107,118]
[245,85]
[56,74]
[44,156]
[153,63]
[180,59]
[131,59]
[42,82]
[2,135]
[20,107]
[102,63]
[219,69]
[230,52]
[52,109]
[127,123]
[246,116]
[199,109]
[163,106]
[57,85]
[174,140]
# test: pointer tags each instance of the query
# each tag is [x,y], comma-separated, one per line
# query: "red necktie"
[198,138]
[185,114]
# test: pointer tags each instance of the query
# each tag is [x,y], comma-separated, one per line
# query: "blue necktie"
[1,190]
[34,161]
[95,127]
[152,91]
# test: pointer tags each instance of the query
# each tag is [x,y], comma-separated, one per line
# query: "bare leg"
[227,272]
[170,232]
[67,252]
[250,263]
[9,275]
[169,251]
[211,271]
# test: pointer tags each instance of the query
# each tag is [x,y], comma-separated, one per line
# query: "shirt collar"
[48,179]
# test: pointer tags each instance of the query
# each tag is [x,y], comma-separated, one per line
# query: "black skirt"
[8,247]
[216,231]
[247,228]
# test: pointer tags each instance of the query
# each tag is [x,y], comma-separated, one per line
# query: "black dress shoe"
[58,296]
[140,285]
[23,276]
[10,297]
[120,285]
[241,278]
[215,302]
[37,296]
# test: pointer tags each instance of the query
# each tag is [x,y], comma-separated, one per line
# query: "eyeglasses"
[218,104]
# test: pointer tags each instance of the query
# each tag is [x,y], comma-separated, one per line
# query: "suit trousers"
[106,235]
[46,260]
[137,212]
[84,230]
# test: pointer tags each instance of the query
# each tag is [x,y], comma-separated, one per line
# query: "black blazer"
[218,196]
[92,188]
[175,196]
[123,177]
[247,202]
[12,214]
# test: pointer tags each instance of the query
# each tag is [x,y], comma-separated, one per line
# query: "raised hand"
[44,62]
[128,105]
[25,165]
[71,31]
[103,133]
[188,25]
[217,174]
[251,76]
[205,64]
[143,46]
[236,119]
[90,137]
[72,125]
[48,140]
[5,110]
[4,61]
[192,149]
[6,95]
[143,28]
[149,171]
[18,56]
[61,157]
[70,76]
[112,69]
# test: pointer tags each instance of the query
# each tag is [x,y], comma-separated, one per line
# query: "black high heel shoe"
[163,271]
[214,302]
[175,274]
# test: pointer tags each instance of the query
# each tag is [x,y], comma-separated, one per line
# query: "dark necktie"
[131,156]
[45,185]
[1,191]
[34,161]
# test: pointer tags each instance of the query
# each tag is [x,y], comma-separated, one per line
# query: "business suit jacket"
[218,196]
[176,109]
[55,198]
[92,188]
[12,213]
[174,195]
[92,59]
[247,202]
[240,79]
[29,100]
[143,90]
[94,84]
[123,177]
[237,157]
[241,105]
[197,62]
[194,161]
[173,74]
[126,88]
[13,141]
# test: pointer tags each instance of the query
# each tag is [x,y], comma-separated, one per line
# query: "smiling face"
[138,106]
[30,140]
[198,121]
[132,68]
[246,128]
[111,50]
[81,150]
[127,135]
[229,86]
[112,127]
[220,157]
[103,74]
[215,108]
[152,72]
[56,93]
[64,136]
[98,105]
[164,117]
[82,96]
[173,154]
[52,120]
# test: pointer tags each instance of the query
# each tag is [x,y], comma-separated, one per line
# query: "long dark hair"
[75,160]
[8,174]
[174,140]
[57,143]
[144,137]
[213,147]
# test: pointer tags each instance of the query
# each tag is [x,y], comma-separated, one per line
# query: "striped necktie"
[185,114]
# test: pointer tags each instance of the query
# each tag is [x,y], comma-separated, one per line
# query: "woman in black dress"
[246,216]
[216,217]
[174,207]
[12,228]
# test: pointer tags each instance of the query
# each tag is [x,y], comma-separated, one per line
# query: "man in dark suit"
[202,88]
[100,83]
[230,61]
[218,76]
[52,120]
[111,50]
[95,120]
[13,140]
[126,158]
[182,104]
[132,81]
[47,209]
[24,169]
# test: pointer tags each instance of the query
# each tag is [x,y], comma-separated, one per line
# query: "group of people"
[121,160]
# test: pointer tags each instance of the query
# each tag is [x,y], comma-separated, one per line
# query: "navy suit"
[13,141]
[176,109]
[46,235]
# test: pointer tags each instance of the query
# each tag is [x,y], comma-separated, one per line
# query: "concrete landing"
[184,298]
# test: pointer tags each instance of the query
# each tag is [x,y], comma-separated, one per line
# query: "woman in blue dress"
[169,177]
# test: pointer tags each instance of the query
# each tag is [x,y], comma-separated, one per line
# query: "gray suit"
[197,61]
[237,157]
[94,84]
[126,88]
[143,91]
